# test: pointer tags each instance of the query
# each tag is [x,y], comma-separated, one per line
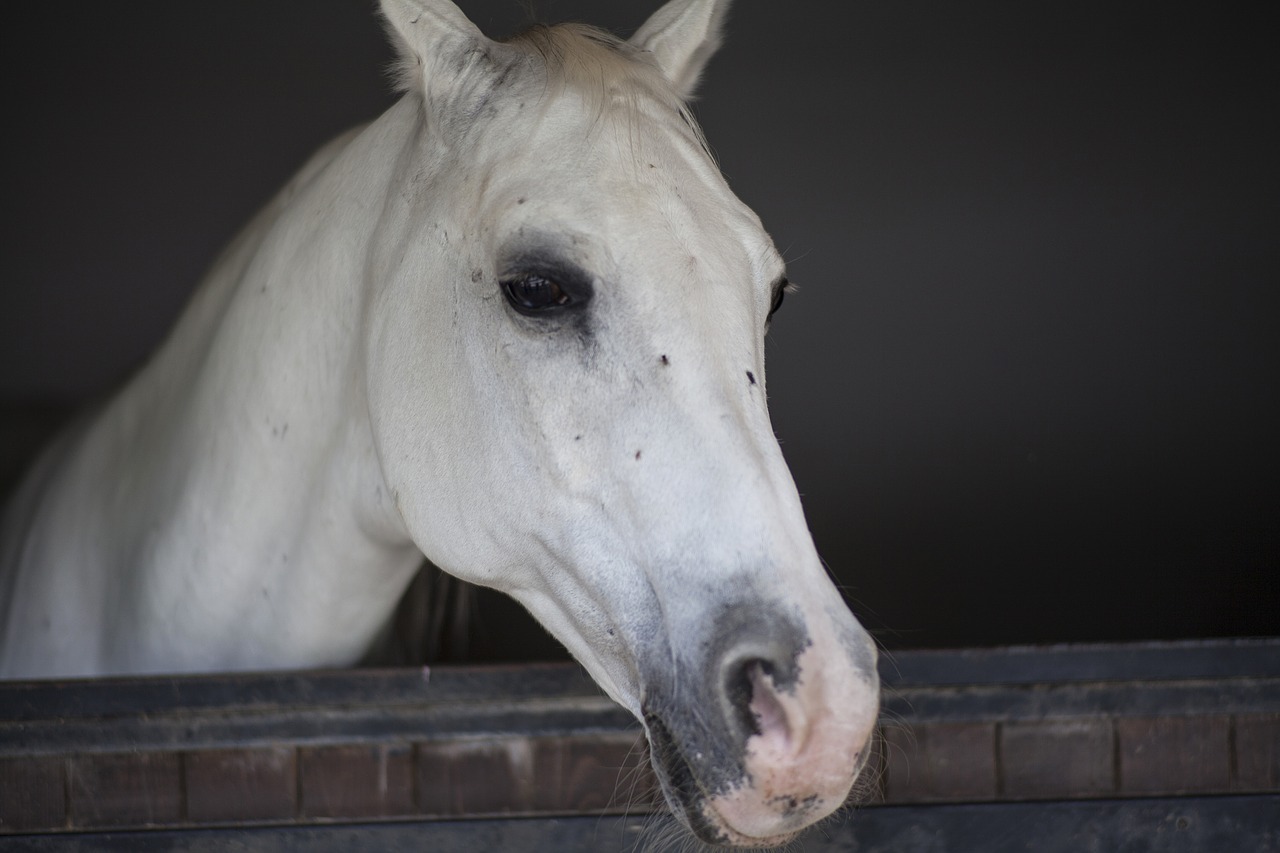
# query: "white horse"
[515,324]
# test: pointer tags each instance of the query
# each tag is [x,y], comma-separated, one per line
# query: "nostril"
[738,689]
[753,699]
[766,708]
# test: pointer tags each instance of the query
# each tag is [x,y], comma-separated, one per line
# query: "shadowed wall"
[1028,388]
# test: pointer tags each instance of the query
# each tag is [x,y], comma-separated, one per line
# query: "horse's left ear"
[427,32]
[682,35]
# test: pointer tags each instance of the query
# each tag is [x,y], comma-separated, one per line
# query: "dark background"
[1028,388]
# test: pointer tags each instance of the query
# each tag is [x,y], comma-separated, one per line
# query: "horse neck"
[253,415]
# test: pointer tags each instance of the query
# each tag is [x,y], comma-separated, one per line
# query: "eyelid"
[781,287]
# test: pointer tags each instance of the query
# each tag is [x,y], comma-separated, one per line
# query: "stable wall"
[1027,388]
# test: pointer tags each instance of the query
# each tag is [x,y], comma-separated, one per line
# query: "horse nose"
[802,698]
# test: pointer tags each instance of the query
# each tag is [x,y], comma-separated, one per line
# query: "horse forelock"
[602,70]
[588,58]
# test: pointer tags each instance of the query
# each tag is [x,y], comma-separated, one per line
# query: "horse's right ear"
[430,35]
[681,36]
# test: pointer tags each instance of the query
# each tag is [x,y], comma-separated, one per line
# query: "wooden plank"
[352,717]
[475,776]
[437,686]
[32,793]
[105,698]
[939,762]
[1118,699]
[351,721]
[1257,752]
[609,773]
[1190,825]
[125,789]
[1057,759]
[241,784]
[356,781]
[1174,755]
[1168,661]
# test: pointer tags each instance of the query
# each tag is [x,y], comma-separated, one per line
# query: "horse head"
[566,383]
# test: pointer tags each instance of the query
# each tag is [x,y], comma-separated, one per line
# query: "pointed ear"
[425,32]
[682,35]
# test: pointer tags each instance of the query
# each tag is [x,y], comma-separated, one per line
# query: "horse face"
[567,392]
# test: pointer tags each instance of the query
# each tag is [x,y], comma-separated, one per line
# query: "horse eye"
[532,293]
[779,293]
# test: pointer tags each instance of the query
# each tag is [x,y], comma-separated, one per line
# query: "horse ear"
[681,36]
[424,32]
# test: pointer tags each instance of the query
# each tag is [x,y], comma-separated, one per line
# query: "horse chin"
[690,803]
[764,801]
[695,810]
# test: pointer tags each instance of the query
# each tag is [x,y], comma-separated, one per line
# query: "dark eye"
[531,293]
[779,294]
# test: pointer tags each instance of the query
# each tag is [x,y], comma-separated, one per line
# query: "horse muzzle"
[770,732]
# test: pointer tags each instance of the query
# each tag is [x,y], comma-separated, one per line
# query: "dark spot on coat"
[751,377]
[666,362]
[577,438]
[792,807]
[637,455]
[476,275]
[521,200]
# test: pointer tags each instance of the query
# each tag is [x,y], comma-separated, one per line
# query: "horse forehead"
[624,138]
[640,181]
